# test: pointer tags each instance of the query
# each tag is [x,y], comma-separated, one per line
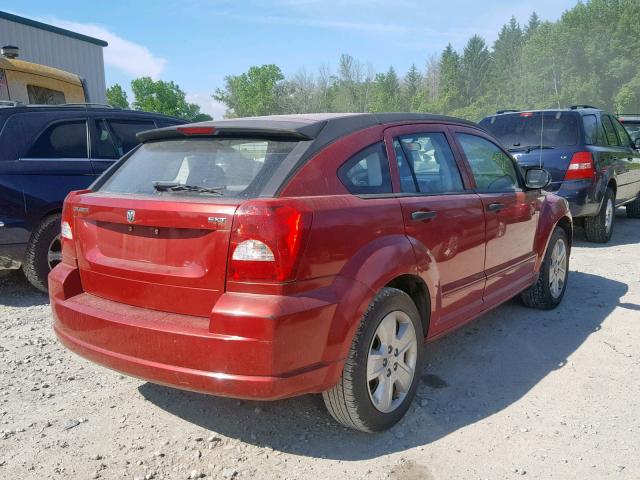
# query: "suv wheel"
[43,252]
[633,208]
[548,291]
[380,376]
[600,227]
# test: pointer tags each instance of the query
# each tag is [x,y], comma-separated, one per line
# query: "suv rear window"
[233,167]
[554,129]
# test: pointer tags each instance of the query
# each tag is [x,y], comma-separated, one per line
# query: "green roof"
[51,28]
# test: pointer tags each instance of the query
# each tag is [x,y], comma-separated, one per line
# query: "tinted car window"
[610,132]
[493,170]
[426,164]
[125,132]
[106,146]
[61,140]
[592,131]
[367,171]
[623,135]
[556,129]
[234,167]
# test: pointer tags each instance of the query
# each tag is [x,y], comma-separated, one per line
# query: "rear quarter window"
[367,172]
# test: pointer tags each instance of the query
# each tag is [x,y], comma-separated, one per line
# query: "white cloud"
[130,58]
[207,104]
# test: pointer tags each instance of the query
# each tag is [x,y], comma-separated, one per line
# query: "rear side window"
[125,131]
[554,129]
[426,164]
[44,96]
[492,169]
[610,132]
[61,140]
[105,144]
[367,172]
[233,167]
[625,140]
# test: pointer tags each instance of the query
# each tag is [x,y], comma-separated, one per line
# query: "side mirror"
[537,178]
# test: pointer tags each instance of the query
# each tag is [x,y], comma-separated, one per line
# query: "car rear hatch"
[159,254]
[542,138]
[155,233]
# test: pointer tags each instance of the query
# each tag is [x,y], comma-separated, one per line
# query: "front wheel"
[381,373]
[548,291]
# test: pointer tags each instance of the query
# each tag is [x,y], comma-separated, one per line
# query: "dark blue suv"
[45,152]
[592,160]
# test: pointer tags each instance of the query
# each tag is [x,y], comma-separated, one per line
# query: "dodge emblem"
[131,216]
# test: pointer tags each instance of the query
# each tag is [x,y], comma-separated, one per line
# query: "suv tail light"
[581,167]
[267,241]
[67,242]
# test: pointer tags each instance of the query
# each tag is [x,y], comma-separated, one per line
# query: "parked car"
[592,160]
[631,123]
[45,152]
[269,257]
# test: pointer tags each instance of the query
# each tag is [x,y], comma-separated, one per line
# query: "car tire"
[633,208]
[42,253]
[548,291]
[599,228]
[359,401]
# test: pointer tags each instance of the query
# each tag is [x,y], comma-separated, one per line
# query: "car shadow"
[625,232]
[471,374]
[16,291]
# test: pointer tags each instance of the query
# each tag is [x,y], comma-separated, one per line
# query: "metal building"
[56,47]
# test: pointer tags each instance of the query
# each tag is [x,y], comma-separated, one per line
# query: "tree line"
[591,55]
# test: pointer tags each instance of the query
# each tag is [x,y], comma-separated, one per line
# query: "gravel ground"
[516,393]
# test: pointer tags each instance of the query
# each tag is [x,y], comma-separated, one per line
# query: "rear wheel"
[600,227]
[633,208]
[548,291]
[380,376]
[43,252]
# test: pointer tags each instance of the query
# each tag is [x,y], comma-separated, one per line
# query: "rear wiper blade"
[179,187]
[528,148]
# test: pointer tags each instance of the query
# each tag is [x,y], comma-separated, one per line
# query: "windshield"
[527,129]
[220,167]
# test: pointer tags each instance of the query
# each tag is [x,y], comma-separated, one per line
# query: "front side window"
[426,164]
[44,96]
[493,170]
[233,167]
[610,132]
[61,140]
[367,171]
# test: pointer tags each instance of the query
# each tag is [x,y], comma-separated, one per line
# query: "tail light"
[67,242]
[581,167]
[267,241]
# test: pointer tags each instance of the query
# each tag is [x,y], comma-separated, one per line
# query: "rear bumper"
[583,196]
[251,347]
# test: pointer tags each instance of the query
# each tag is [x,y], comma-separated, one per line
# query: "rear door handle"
[422,215]
[495,207]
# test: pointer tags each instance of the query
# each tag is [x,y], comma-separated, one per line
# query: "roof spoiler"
[238,129]
[507,110]
[578,107]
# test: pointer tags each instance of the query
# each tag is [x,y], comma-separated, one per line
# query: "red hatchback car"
[269,257]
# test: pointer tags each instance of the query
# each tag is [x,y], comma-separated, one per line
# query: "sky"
[196,43]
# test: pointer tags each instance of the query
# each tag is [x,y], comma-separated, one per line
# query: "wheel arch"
[417,289]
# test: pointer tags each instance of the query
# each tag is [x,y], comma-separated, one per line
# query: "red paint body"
[159,306]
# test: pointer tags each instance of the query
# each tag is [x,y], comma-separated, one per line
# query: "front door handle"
[495,207]
[421,215]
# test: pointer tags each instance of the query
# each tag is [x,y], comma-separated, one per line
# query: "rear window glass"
[231,167]
[44,96]
[554,129]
